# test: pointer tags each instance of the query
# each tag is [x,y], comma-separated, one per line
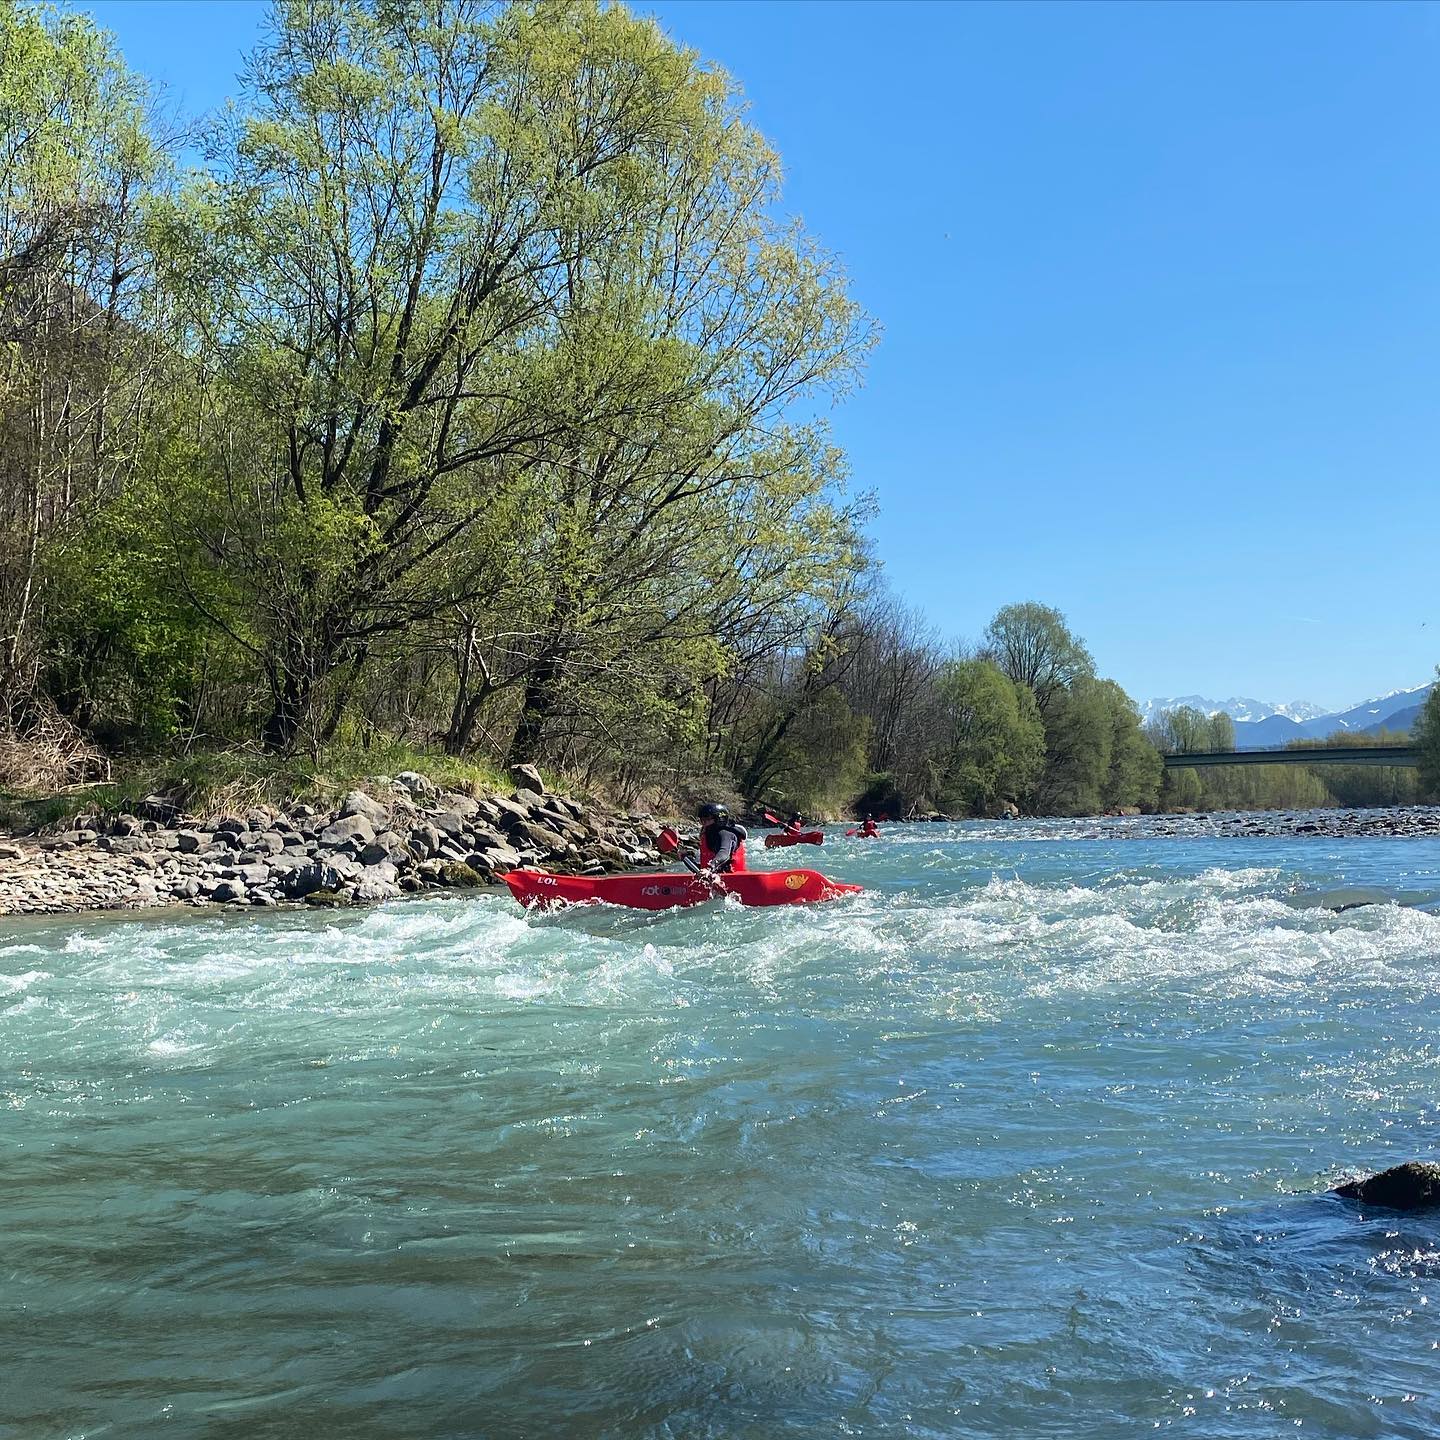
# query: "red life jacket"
[707,851]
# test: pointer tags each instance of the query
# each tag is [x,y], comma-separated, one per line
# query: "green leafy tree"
[1135,767]
[995,745]
[1034,646]
[78,323]
[1426,735]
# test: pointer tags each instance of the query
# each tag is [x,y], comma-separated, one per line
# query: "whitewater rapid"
[1032,1137]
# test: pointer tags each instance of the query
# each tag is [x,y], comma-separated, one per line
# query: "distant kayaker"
[869,828]
[796,823]
[722,840]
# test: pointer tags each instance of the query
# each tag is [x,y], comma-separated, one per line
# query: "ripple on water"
[1027,1139]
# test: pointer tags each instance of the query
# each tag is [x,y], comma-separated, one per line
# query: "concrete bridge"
[1320,755]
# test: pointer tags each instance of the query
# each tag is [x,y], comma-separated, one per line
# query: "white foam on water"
[18,984]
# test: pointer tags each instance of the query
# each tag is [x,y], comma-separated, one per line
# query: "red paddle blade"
[667,842]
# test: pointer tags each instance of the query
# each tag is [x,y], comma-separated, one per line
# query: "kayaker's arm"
[728,840]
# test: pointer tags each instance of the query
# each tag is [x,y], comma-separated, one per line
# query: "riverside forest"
[456,399]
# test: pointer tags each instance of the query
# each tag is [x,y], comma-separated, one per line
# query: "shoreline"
[417,840]
[406,838]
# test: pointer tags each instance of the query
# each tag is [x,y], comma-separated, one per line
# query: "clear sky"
[1160,290]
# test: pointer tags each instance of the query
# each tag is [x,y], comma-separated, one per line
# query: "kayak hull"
[806,837]
[668,892]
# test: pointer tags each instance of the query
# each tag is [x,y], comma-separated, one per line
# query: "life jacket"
[868,828]
[708,836]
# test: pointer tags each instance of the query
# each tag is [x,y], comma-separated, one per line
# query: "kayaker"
[722,840]
[795,823]
[869,829]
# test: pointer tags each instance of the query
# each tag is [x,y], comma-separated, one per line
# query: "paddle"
[668,843]
[787,825]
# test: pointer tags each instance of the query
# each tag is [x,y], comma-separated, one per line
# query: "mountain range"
[1240,709]
[1259,724]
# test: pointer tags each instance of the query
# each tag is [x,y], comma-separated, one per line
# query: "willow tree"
[686,507]
[1034,646]
[452,254]
[994,743]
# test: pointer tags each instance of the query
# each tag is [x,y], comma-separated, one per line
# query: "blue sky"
[1160,293]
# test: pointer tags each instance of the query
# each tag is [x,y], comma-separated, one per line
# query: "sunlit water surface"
[1028,1140]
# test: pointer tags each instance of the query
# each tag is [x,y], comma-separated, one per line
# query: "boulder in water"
[1340,898]
[1415,1185]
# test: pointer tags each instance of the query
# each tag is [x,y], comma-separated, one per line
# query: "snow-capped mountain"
[1238,708]
[1395,711]
[1259,725]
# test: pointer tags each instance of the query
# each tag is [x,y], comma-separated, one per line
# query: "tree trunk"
[540,687]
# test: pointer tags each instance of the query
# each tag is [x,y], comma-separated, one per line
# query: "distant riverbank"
[1399,821]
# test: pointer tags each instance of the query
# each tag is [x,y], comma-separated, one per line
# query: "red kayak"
[794,837]
[665,892]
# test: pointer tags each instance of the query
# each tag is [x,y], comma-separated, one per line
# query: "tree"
[1135,768]
[1183,731]
[995,745]
[461,259]
[1033,645]
[78,160]
[1426,735]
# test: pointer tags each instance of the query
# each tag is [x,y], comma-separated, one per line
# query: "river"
[1030,1139]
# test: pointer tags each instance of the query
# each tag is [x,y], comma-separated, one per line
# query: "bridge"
[1319,755]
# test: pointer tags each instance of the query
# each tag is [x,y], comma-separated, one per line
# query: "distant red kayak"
[789,837]
[665,892]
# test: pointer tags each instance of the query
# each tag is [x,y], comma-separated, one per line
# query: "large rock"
[527,777]
[1414,1185]
[459,876]
[357,802]
[305,880]
[465,805]
[188,842]
[387,847]
[540,836]
[229,891]
[416,784]
[348,828]
[509,813]
[11,852]
[377,883]
[448,822]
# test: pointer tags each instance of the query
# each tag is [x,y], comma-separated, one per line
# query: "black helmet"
[711,810]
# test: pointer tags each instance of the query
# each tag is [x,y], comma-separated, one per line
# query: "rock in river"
[1414,1185]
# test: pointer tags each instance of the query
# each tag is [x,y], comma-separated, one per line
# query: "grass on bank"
[218,782]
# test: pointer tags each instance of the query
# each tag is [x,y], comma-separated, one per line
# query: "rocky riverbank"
[1399,822]
[402,835]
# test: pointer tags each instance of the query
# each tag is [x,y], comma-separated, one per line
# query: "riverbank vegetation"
[459,394]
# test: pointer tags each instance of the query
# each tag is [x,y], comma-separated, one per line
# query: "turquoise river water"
[1031,1139]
